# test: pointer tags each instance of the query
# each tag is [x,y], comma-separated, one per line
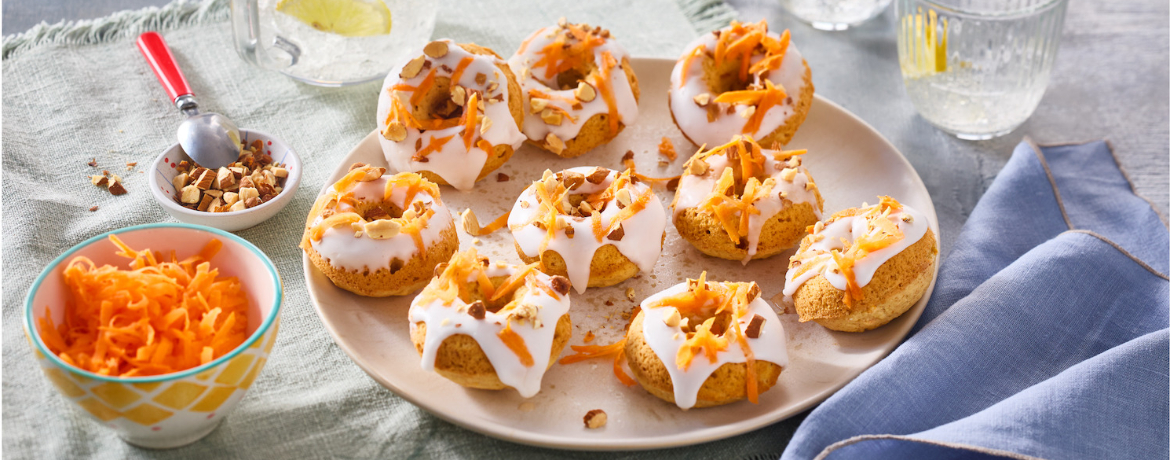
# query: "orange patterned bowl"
[169,410]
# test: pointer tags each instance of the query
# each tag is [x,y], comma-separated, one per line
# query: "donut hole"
[575,208]
[437,103]
[737,170]
[371,211]
[569,78]
[721,78]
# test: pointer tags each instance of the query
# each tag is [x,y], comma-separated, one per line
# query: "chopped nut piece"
[561,284]
[595,419]
[458,95]
[501,177]
[748,112]
[99,180]
[585,92]
[205,202]
[585,208]
[116,187]
[94,208]
[413,67]
[630,294]
[239,206]
[477,310]
[248,193]
[372,174]
[485,125]
[551,117]
[440,268]
[537,105]
[206,178]
[788,174]
[906,218]
[395,131]
[820,225]
[573,179]
[179,181]
[470,223]
[190,194]
[93,164]
[697,167]
[672,184]
[753,292]
[672,317]
[480,78]
[382,229]
[214,193]
[597,176]
[230,198]
[435,49]
[252,202]
[623,198]
[280,172]
[224,179]
[753,329]
[703,99]
[617,234]
[554,143]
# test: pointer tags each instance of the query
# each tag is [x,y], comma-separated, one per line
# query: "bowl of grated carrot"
[157,330]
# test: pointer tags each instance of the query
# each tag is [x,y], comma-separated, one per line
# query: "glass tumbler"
[977,68]
[834,14]
[331,42]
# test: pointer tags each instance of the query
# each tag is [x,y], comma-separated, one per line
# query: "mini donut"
[863,267]
[703,343]
[491,326]
[579,87]
[742,79]
[741,202]
[424,122]
[379,236]
[596,226]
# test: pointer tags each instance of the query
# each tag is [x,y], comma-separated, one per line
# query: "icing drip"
[536,84]
[666,341]
[693,190]
[693,119]
[642,232]
[351,250]
[532,315]
[446,148]
[840,233]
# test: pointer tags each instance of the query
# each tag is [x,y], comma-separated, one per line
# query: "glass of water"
[835,14]
[977,68]
[331,42]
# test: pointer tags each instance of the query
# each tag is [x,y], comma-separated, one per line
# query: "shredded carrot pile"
[666,148]
[158,317]
[733,210]
[573,45]
[340,206]
[763,99]
[552,198]
[738,43]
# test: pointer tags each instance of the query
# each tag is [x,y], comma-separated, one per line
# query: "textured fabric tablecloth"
[1046,335]
[1111,79]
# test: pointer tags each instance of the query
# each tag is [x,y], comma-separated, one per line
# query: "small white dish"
[163,172]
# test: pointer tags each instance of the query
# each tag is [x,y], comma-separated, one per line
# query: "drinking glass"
[977,68]
[267,36]
[834,14]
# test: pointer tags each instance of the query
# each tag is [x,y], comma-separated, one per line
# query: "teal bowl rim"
[31,329]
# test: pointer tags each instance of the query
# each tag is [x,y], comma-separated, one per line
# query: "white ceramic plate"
[851,164]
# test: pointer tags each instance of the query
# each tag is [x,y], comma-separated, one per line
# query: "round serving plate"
[851,164]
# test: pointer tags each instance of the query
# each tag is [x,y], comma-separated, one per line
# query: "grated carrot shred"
[666,148]
[459,68]
[435,145]
[155,318]
[470,113]
[616,349]
[516,344]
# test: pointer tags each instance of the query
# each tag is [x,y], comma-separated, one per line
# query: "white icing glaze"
[455,163]
[846,228]
[693,190]
[642,243]
[692,119]
[341,249]
[444,321]
[535,127]
[666,341]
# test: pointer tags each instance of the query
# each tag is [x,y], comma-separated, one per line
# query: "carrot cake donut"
[703,343]
[452,114]
[742,79]
[491,325]
[597,226]
[377,235]
[741,202]
[579,87]
[863,267]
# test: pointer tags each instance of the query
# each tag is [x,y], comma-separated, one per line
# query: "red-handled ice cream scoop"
[211,139]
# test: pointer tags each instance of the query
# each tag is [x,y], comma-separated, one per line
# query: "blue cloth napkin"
[1046,335]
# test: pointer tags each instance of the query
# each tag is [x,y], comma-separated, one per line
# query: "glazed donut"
[863,267]
[596,226]
[742,79]
[425,123]
[379,236]
[741,202]
[491,326]
[579,87]
[703,343]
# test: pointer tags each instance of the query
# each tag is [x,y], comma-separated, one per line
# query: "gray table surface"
[1111,80]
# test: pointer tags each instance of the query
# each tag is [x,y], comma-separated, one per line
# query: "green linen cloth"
[73,92]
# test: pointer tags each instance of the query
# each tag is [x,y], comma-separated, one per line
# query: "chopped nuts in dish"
[252,180]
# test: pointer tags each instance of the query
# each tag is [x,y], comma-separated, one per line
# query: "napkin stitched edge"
[954,445]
